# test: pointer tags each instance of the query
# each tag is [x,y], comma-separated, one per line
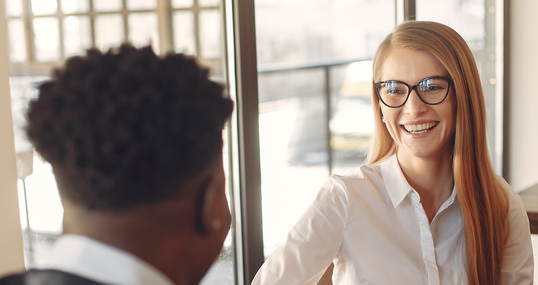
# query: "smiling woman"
[419,126]
[427,204]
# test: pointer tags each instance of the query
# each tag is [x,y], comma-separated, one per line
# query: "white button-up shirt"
[100,262]
[371,223]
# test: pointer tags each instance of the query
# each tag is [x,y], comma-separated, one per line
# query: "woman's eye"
[394,91]
[432,88]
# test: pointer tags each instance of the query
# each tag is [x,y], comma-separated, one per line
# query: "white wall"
[11,255]
[522,100]
[522,97]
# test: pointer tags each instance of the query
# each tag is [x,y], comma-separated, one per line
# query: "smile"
[421,128]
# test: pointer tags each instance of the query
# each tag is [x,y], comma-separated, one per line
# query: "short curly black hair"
[126,127]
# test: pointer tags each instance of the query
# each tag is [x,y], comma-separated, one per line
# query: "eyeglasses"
[432,91]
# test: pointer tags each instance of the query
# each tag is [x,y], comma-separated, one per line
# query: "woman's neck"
[431,177]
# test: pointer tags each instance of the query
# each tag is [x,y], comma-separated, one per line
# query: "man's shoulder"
[46,277]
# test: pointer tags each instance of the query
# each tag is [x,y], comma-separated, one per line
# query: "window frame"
[163,10]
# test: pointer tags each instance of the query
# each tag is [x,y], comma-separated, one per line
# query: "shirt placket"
[426,241]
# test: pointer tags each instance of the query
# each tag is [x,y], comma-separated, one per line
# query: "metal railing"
[326,67]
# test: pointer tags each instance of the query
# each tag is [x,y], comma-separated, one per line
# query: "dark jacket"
[46,277]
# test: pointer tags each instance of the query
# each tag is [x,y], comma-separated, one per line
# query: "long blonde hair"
[481,196]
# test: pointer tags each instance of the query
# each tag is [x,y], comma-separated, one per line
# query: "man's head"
[135,143]
[126,128]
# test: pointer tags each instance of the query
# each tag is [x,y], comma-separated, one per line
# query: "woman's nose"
[414,106]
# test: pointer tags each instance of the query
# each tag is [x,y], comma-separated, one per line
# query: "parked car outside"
[352,124]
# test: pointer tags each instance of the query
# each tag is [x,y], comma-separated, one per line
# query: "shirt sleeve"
[517,267]
[313,242]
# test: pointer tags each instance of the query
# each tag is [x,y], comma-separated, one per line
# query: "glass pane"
[37,190]
[22,90]
[44,7]
[182,3]
[76,35]
[222,271]
[75,6]
[107,5]
[40,208]
[326,29]
[295,132]
[144,30]
[108,31]
[352,122]
[210,34]
[292,148]
[464,16]
[17,42]
[44,207]
[46,39]
[209,3]
[141,4]
[475,21]
[13,7]
[184,32]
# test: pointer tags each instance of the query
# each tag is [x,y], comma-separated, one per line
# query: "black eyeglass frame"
[411,88]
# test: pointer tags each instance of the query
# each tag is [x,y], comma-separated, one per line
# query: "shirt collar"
[397,186]
[101,262]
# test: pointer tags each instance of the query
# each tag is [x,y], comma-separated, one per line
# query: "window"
[314,76]
[296,69]
[480,23]
[43,33]
[315,114]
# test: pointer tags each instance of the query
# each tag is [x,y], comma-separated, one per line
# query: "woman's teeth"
[419,129]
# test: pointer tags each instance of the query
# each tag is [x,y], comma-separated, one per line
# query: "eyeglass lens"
[431,91]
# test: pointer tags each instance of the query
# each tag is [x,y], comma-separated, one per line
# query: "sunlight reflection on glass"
[76,35]
[45,208]
[108,31]
[17,43]
[466,17]
[141,4]
[210,34]
[184,32]
[46,39]
[22,205]
[13,7]
[182,3]
[208,3]
[44,7]
[144,30]
[75,6]
[107,5]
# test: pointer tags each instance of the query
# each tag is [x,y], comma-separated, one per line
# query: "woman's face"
[419,129]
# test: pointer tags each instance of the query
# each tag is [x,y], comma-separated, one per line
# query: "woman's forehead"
[411,66]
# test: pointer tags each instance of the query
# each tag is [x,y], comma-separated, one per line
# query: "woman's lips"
[419,128]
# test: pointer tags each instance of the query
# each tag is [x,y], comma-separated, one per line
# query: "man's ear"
[205,206]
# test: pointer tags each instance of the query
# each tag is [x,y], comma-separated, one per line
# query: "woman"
[427,208]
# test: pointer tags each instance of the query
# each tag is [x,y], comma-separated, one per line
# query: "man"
[135,143]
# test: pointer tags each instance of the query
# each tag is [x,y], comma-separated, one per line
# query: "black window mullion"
[410,9]
[165,26]
[196,19]
[405,10]
[125,16]
[246,75]
[29,34]
[61,18]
